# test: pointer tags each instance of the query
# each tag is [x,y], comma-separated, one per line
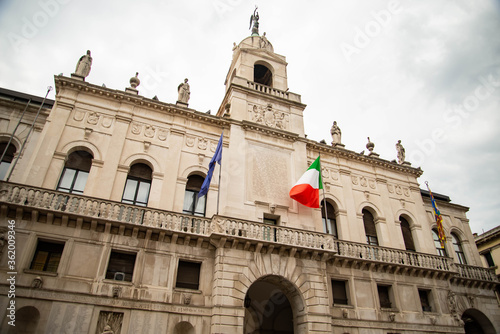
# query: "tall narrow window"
[437,244]
[47,256]
[330,224]
[457,246]
[138,185]
[339,292]
[269,232]
[425,300]
[194,205]
[407,237]
[489,259]
[370,231]
[7,159]
[384,296]
[75,173]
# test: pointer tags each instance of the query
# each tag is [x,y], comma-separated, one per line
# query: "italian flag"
[306,190]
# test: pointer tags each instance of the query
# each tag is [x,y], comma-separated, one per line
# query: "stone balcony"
[16,201]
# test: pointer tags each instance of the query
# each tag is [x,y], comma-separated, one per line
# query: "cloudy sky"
[426,72]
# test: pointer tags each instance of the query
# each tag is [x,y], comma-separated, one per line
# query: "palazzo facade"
[111,237]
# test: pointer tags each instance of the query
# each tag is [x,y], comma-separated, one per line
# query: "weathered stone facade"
[254,276]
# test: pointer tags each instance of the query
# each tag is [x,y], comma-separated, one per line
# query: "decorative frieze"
[363,181]
[148,131]
[203,144]
[398,190]
[93,118]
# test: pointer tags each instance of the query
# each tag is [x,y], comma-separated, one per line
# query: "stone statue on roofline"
[255,19]
[401,152]
[336,134]
[184,92]
[83,66]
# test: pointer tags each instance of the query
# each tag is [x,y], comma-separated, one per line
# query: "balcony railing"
[267,89]
[276,236]
[476,273]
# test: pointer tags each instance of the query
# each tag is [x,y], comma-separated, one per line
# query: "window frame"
[385,304]
[189,266]
[458,248]
[120,255]
[195,200]
[136,191]
[427,293]
[329,227]
[371,238]
[49,246]
[437,244]
[342,284]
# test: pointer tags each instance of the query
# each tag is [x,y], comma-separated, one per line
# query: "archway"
[475,322]
[184,327]
[26,320]
[272,305]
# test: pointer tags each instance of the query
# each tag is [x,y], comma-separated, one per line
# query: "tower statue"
[255,19]
[83,65]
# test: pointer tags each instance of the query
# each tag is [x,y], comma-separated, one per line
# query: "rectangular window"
[339,292]
[47,256]
[188,275]
[425,300]
[384,296]
[489,259]
[121,266]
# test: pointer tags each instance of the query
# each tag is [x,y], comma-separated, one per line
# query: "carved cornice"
[138,100]
[250,126]
[344,153]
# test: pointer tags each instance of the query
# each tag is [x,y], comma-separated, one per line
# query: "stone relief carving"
[363,181]
[268,116]
[136,128]
[190,141]
[202,143]
[93,118]
[79,115]
[390,188]
[150,131]
[107,121]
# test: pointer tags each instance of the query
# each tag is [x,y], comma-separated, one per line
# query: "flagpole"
[14,132]
[49,88]
[220,172]
[324,198]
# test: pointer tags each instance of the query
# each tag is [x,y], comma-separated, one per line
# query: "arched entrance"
[272,305]
[26,320]
[475,322]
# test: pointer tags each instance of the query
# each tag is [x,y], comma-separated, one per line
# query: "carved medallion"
[162,134]
[78,115]
[136,128]
[149,131]
[93,118]
[190,141]
[363,181]
[372,184]
[107,121]
[354,180]
[202,143]
[268,116]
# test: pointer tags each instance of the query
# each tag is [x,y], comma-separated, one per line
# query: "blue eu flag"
[216,158]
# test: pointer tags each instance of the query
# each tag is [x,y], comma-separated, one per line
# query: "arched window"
[407,237]
[7,158]
[457,246]
[437,243]
[262,75]
[193,204]
[370,231]
[329,226]
[75,173]
[138,184]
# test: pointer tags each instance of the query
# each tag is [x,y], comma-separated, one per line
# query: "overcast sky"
[426,72]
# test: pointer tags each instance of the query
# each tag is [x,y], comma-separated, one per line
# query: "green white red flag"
[306,190]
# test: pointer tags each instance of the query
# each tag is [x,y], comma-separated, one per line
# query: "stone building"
[111,237]
[488,245]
